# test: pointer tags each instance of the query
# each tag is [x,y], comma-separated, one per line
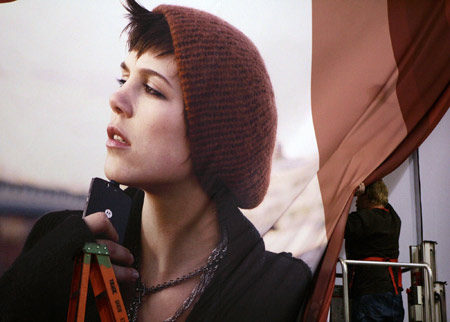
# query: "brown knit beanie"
[229,104]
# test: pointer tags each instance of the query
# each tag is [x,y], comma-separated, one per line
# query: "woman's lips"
[116,139]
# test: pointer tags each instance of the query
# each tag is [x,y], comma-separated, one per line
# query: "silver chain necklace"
[207,272]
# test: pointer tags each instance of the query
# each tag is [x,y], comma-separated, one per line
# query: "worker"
[372,233]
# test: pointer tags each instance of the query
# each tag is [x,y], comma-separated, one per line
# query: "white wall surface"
[434,163]
[401,196]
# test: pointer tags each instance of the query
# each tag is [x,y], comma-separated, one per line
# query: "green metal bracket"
[96,249]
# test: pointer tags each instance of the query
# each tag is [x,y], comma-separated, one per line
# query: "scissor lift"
[426,297]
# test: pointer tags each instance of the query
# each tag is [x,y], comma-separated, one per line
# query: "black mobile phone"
[107,196]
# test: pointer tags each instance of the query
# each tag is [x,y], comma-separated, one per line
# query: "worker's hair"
[377,193]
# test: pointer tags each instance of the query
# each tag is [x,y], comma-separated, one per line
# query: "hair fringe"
[147,30]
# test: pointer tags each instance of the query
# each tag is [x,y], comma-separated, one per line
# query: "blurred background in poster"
[58,65]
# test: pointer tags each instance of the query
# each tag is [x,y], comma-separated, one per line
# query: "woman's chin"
[114,174]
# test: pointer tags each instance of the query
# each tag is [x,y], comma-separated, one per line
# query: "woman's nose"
[120,103]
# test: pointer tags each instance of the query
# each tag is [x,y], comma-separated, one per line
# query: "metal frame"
[428,282]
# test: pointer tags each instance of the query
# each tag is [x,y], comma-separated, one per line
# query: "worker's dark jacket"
[250,284]
[372,233]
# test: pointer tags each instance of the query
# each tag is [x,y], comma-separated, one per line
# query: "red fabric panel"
[353,83]
[317,308]
[420,38]
[421,44]
[351,62]
[414,139]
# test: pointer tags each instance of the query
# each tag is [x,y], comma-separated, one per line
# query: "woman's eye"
[147,88]
[153,91]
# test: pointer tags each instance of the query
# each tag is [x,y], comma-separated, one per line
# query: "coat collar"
[245,249]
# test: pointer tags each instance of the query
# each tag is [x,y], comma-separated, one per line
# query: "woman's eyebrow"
[146,72]
[124,66]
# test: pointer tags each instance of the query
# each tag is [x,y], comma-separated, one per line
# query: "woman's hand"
[121,257]
[360,190]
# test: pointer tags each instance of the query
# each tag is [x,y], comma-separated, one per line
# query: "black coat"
[372,233]
[251,284]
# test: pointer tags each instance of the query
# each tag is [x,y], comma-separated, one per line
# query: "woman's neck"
[179,230]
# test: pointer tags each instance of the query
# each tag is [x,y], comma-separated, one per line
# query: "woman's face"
[147,144]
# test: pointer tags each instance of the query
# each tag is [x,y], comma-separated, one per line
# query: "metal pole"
[430,291]
[425,266]
[345,287]
[418,196]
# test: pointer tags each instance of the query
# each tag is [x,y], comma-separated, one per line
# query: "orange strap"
[391,271]
[94,264]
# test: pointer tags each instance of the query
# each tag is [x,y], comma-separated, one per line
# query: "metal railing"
[429,298]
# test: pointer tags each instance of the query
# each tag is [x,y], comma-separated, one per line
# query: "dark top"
[372,233]
[251,284]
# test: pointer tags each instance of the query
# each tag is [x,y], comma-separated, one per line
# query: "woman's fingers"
[125,274]
[117,253]
[122,259]
[100,225]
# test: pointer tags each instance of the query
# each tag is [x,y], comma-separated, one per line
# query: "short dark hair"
[147,30]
